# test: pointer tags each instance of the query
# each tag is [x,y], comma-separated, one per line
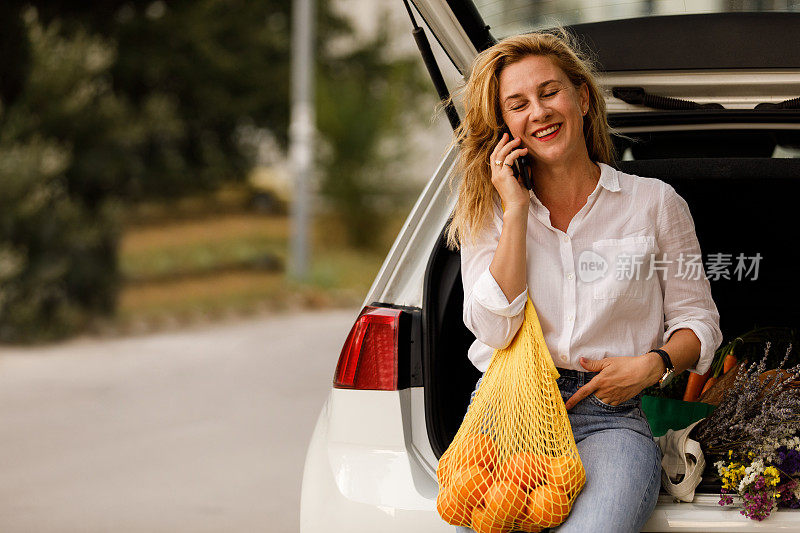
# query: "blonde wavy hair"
[480,128]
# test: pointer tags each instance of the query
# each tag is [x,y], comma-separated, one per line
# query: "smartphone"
[522,165]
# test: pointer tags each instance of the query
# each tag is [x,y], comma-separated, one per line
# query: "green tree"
[213,65]
[368,101]
[58,222]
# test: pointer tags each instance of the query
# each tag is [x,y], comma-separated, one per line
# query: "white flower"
[750,474]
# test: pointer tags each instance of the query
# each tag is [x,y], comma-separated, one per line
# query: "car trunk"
[739,205]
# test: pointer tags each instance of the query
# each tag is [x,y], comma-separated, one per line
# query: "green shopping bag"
[667,413]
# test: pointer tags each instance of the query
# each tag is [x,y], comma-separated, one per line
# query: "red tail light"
[371,354]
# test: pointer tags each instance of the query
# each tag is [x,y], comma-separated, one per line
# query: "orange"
[525,469]
[505,501]
[565,472]
[474,450]
[470,484]
[452,510]
[529,526]
[548,506]
[482,522]
[477,449]
[443,470]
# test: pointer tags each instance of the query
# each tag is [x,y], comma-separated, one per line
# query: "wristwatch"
[670,372]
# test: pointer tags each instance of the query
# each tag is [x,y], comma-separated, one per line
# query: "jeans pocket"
[567,386]
[631,403]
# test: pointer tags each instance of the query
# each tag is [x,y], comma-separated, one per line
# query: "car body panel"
[359,475]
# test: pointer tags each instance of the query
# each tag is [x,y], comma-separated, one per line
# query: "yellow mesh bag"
[513,464]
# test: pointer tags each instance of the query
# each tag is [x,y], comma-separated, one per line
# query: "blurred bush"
[108,104]
[62,146]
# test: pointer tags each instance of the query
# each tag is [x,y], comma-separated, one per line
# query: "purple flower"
[788,460]
[724,497]
[757,504]
[787,497]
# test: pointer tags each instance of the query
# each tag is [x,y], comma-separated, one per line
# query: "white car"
[702,92]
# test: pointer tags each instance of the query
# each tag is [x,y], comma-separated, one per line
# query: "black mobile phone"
[522,165]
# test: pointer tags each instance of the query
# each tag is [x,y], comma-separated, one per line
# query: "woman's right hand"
[511,190]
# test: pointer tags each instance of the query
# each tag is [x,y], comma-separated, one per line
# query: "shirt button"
[570,275]
[564,357]
[570,317]
[566,238]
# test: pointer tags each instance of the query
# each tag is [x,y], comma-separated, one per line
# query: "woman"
[569,243]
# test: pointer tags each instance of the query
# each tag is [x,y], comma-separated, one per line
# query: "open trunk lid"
[738,59]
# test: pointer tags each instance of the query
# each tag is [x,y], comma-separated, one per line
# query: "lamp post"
[301,133]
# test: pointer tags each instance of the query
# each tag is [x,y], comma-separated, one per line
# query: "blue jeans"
[621,459]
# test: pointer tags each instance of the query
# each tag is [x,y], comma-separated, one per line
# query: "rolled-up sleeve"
[685,289]
[487,312]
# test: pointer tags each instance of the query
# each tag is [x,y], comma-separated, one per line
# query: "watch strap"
[665,357]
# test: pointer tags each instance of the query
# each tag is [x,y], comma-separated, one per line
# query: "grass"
[188,270]
[202,247]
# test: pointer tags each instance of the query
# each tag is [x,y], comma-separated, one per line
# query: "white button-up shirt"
[626,274]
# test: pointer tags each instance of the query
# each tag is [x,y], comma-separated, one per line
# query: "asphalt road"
[198,430]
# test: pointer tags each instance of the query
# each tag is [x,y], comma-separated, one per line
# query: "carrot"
[710,383]
[730,362]
[694,385]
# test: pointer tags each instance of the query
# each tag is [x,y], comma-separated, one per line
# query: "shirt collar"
[608,177]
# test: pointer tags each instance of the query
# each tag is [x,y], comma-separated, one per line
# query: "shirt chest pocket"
[628,261]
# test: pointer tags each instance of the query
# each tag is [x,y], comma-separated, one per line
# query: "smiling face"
[535,94]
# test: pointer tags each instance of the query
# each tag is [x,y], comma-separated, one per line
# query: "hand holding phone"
[522,165]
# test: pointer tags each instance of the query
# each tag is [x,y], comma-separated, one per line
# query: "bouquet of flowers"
[755,433]
[765,482]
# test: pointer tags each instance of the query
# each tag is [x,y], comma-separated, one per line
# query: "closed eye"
[520,106]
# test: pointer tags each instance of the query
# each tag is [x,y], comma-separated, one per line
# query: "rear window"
[509,17]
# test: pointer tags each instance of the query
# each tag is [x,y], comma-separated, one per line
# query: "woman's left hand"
[620,378]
